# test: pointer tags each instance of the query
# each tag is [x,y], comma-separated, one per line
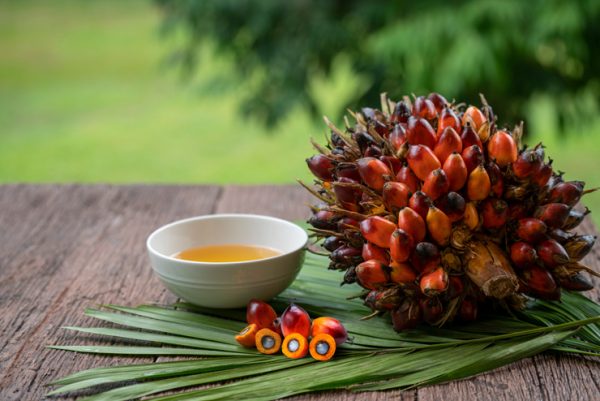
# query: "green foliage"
[377,358]
[77,104]
[507,49]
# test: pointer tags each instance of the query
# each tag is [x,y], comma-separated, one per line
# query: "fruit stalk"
[489,268]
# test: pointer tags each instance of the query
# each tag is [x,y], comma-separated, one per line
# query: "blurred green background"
[93,91]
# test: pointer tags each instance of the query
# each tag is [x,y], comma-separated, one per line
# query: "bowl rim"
[193,263]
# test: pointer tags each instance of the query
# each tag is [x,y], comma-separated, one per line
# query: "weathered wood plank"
[283,201]
[569,377]
[73,247]
[63,248]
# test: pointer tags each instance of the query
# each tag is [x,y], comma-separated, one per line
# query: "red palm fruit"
[543,175]
[420,132]
[426,257]
[369,113]
[349,273]
[471,216]
[432,310]
[267,341]
[496,179]
[474,117]
[346,222]
[448,143]
[439,226]
[406,316]
[517,211]
[560,235]
[321,166]
[397,137]
[323,219]
[260,313]
[411,223]
[374,172]
[363,140]
[401,113]
[436,184]
[419,202]
[575,218]
[372,301]
[395,195]
[407,177]
[579,246]
[332,243]
[484,132]
[577,282]
[478,184]
[472,156]
[539,151]
[531,230]
[455,287]
[523,255]
[469,137]
[468,309]
[424,108]
[373,252]
[377,230]
[372,274]
[392,162]
[422,161]
[385,299]
[295,346]
[402,273]
[434,283]
[448,119]
[381,128]
[348,170]
[494,213]
[331,326]
[372,151]
[456,171]
[295,320]
[502,148]
[551,253]
[347,194]
[247,337]
[553,214]
[453,204]
[401,245]
[438,101]
[527,164]
[540,283]
[346,255]
[567,192]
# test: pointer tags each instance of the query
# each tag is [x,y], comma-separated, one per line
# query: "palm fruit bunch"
[439,213]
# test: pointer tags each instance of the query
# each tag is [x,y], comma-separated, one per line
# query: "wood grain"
[71,247]
[67,247]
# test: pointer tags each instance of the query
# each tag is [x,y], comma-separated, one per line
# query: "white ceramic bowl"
[227,284]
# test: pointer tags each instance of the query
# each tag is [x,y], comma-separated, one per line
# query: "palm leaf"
[377,358]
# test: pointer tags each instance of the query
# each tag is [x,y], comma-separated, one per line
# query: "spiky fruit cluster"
[435,211]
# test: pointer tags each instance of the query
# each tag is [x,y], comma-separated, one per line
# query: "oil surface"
[226,253]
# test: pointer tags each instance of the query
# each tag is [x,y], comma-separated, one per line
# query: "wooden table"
[67,247]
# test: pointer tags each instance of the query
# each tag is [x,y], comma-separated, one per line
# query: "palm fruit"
[439,214]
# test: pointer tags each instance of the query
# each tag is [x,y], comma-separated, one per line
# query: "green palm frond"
[377,358]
